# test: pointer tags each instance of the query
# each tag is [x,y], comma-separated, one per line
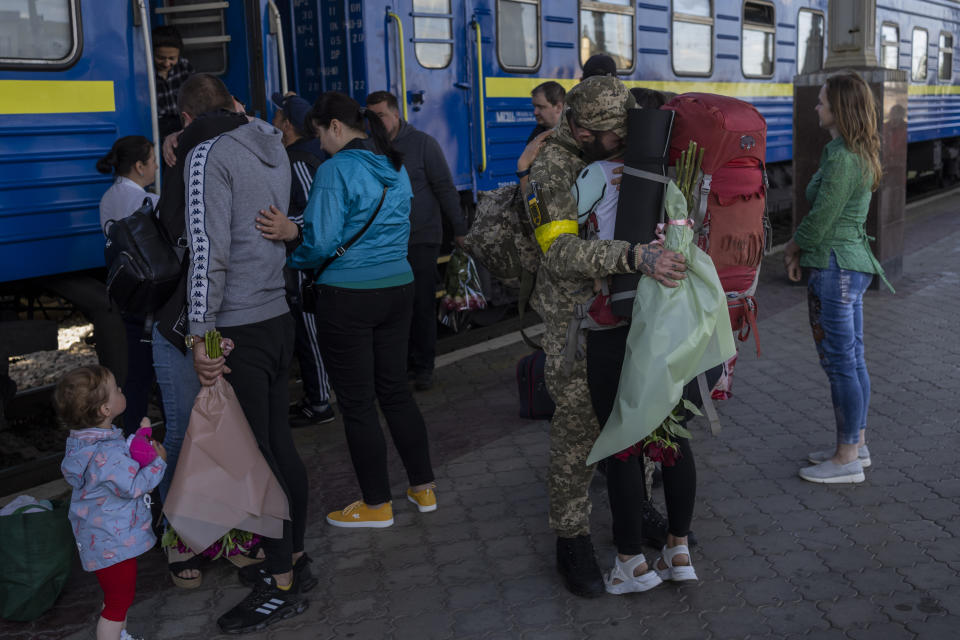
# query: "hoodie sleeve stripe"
[198,303]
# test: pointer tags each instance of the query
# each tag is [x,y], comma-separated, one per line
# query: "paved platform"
[778,557]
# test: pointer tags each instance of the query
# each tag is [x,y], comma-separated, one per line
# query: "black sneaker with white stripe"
[265,605]
[304,413]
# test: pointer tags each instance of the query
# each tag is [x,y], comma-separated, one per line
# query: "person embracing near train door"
[593,129]
[204,114]
[832,243]
[236,287]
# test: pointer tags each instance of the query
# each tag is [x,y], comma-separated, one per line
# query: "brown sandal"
[178,562]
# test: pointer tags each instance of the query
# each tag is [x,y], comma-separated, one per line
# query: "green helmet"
[600,103]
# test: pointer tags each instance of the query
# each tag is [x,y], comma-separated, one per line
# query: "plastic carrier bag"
[36,555]
[463,290]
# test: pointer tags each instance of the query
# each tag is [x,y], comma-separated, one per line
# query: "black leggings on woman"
[625,478]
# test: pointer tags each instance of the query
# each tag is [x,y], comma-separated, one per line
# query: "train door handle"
[462,85]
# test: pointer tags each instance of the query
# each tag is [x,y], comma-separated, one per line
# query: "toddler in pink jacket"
[110,506]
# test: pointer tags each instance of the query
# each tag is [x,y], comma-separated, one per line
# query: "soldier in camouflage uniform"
[594,129]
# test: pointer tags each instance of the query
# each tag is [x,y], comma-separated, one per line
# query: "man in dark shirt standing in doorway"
[547,100]
[433,194]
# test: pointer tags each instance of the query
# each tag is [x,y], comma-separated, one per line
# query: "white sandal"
[677,573]
[629,583]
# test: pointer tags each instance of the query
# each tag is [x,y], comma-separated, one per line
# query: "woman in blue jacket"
[365,301]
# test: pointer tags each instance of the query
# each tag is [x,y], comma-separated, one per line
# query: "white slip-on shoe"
[830,472]
[819,457]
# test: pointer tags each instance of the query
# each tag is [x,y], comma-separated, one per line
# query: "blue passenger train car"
[75,75]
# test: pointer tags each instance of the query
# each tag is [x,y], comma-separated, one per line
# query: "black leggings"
[260,367]
[363,339]
[625,478]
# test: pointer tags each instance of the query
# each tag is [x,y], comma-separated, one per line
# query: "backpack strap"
[646,175]
[705,183]
[707,401]
[527,281]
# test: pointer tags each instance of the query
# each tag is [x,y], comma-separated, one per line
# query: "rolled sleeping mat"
[641,192]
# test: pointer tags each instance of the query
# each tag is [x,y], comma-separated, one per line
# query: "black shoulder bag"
[142,268]
[308,292]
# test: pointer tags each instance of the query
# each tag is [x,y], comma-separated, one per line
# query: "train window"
[607,27]
[809,41]
[890,46]
[945,63]
[39,33]
[757,36]
[918,59]
[518,34]
[692,26]
[433,34]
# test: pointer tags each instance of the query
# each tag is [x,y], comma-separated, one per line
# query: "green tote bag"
[36,553]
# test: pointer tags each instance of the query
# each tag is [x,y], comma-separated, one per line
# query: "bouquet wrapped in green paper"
[675,335]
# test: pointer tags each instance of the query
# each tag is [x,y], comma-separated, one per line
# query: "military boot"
[578,566]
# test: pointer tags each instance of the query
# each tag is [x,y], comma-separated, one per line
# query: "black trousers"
[423,326]
[260,375]
[625,478]
[316,386]
[363,340]
[140,376]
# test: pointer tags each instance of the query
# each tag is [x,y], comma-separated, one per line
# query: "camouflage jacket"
[569,264]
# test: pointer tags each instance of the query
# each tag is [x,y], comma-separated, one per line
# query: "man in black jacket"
[433,195]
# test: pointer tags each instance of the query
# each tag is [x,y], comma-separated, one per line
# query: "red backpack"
[732,225]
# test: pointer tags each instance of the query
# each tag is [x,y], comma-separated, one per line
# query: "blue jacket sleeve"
[323,219]
[74,464]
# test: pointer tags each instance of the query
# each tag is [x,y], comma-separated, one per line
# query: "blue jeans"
[835,302]
[179,387]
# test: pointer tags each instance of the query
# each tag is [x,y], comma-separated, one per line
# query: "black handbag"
[308,291]
[142,267]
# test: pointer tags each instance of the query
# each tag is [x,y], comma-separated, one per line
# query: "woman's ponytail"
[108,163]
[125,153]
[381,138]
[333,105]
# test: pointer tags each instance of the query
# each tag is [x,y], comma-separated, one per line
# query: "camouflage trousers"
[573,430]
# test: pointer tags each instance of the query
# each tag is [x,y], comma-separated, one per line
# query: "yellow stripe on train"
[521,87]
[56,96]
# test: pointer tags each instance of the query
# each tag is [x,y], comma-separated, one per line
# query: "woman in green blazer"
[832,243]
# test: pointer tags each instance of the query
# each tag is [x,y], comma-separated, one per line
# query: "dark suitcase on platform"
[535,400]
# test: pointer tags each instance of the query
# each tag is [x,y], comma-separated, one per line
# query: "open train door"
[236,40]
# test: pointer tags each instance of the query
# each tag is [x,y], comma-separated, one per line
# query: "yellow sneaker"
[426,500]
[358,514]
